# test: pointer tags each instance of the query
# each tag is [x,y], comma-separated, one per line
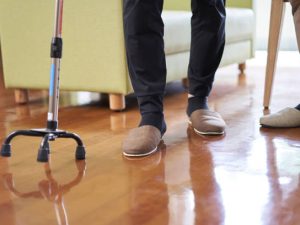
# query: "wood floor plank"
[248,176]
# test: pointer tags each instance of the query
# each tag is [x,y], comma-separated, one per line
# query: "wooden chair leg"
[185,82]
[117,102]
[276,20]
[242,67]
[21,96]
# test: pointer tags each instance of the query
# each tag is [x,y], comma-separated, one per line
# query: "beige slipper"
[206,122]
[141,141]
[288,117]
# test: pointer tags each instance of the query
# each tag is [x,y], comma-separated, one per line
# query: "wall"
[288,38]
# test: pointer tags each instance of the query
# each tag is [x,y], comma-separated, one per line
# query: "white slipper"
[288,117]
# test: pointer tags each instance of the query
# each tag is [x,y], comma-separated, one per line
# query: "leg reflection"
[208,201]
[148,197]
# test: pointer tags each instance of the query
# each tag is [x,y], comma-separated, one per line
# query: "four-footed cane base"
[44,149]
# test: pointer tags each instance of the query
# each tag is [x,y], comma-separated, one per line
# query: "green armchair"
[94,54]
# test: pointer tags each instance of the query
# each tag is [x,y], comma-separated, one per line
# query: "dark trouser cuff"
[195,103]
[151,109]
[154,119]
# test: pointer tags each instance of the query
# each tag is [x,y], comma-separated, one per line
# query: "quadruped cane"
[51,132]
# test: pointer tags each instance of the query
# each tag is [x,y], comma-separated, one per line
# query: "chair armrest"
[240,3]
[186,4]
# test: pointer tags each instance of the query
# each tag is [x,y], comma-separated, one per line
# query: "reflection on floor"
[250,176]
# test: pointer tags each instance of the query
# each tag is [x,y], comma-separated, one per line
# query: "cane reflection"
[50,190]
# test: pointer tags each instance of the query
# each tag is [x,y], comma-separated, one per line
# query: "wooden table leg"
[276,20]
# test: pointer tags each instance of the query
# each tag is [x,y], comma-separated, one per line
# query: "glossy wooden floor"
[250,176]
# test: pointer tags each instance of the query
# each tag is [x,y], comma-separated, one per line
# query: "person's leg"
[288,117]
[207,45]
[144,30]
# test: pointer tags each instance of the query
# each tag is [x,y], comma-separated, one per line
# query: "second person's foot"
[286,118]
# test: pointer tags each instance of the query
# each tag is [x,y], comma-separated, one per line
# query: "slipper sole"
[205,132]
[140,155]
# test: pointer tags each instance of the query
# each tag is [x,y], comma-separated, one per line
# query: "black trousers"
[144,31]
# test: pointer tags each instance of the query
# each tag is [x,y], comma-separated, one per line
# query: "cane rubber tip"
[42,155]
[6,150]
[80,152]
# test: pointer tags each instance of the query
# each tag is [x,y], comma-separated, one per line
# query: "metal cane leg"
[44,149]
[80,150]
[6,147]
